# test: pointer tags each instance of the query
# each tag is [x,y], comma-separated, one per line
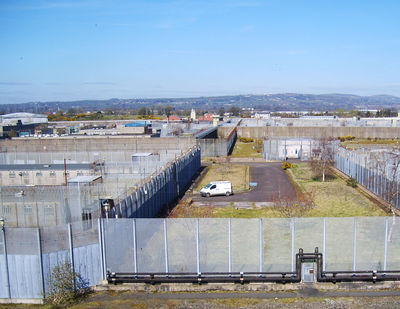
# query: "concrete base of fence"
[250,287]
[31,301]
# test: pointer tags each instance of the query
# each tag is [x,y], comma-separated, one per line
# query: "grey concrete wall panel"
[150,245]
[25,278]
[87,263]
[3,276]
[51,260]
[312,132]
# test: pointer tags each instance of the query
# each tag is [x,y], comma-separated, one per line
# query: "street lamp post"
[106,208]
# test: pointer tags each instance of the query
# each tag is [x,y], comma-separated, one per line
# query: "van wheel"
[228,193]
[208,195]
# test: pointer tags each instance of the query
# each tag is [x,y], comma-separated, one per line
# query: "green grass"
[333,197]
[238,175]
[247,150]
[232,212]
[357,143]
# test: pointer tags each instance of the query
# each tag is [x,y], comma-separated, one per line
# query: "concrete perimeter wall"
[315,132]
[97,143]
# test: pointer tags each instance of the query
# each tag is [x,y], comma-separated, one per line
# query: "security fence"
[376,169]
[27,206]
[170,246]
[28,256]
[288,148]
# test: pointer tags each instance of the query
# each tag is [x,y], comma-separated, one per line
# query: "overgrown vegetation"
[351,182]
[65,285]
[333,198]
[247,148]
[354,144]
[286,165]
[290,207]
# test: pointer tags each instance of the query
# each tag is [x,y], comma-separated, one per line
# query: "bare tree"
[295,207]
[322,157]
[177,130]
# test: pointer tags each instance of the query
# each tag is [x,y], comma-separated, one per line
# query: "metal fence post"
[71,252]
[386,243]
[41,262]
[229,245]
[134,246]
[292,222]
[104,250]
[355,245]
[166,246]
[6,261]
[261,245]
[197,246]
[101,247]
[324,246]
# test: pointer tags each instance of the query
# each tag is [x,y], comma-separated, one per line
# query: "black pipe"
[247,277]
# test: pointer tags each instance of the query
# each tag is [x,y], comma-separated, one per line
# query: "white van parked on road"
[217,188]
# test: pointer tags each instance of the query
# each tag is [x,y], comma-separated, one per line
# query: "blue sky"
[71,50]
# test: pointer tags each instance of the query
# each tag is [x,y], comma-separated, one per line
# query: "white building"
[25,118]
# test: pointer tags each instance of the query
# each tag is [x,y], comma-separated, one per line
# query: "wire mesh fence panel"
[308,233]
[370,243]
[85,233]
[150,245]
[214,252]
[119,245]
[182,249]
[393,244]
[277,249]
[54,239]
[245,245]
[339,244]
[24,263]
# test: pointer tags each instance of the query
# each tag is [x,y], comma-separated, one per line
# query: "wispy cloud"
[98,83]
[14,84]
[295,52]
[245,4]
[171,24]
[246,29]
[166,24]
[48,5]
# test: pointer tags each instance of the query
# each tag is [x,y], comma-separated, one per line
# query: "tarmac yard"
[272,183]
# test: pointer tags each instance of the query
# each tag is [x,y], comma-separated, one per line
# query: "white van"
[217,188]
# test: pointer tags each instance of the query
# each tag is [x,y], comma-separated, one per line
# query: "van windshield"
[207,186]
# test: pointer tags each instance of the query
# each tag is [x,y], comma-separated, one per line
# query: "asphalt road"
[272,184]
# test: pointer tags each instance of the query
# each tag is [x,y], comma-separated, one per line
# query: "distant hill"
[269,102]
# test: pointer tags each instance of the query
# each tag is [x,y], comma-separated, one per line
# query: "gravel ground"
[217,300]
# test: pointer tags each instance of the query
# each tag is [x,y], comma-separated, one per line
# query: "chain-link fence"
[28,206]
[376,169]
